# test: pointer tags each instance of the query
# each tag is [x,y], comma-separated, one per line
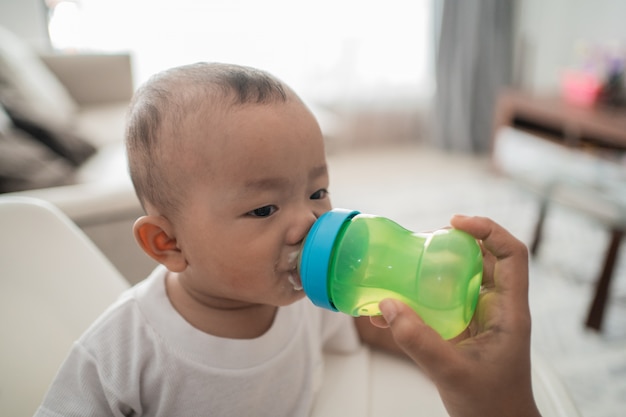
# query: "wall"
[27,19]
[548,32]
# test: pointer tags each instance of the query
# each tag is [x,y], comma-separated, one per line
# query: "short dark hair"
[161,106]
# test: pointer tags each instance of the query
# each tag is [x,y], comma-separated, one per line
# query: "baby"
[230,168]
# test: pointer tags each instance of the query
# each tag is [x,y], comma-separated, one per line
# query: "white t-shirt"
[142,358]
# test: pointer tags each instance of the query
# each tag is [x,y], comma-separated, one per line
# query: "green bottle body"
[437,274]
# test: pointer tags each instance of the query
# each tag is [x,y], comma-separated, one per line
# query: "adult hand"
[485,371]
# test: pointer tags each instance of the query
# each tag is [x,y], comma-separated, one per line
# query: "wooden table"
[594,133]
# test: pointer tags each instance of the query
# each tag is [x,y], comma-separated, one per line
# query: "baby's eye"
[264,211]
[319,194]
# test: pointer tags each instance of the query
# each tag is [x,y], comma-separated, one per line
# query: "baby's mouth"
[294,279]
[294,276]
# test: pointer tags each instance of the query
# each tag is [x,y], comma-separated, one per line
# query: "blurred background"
[354,57]
[513,109]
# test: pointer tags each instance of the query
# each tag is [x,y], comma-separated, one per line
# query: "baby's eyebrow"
[265,183]
[318,171]
[278,182]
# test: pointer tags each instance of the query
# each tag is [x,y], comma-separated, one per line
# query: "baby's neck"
[246,321]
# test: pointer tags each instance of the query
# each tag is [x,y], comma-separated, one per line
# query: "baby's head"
[182,108]
[229,166]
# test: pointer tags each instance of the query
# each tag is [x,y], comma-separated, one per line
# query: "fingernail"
[388,310]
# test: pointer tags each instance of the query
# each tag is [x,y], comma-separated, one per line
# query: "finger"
[496,239]
[379,321]
[510,253]
[489,262]
[416,338]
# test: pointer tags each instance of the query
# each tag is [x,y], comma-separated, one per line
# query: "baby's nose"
[301,226]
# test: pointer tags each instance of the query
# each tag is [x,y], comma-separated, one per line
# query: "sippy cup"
[351,261]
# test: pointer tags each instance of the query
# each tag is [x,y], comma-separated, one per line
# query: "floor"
[421,188]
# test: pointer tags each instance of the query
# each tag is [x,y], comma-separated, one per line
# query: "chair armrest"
[93,78]
[375,383]
[90,204]
[106,213]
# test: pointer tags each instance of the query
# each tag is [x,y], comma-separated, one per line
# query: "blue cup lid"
[316,253]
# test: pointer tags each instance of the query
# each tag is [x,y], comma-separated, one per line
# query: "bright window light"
[347,50]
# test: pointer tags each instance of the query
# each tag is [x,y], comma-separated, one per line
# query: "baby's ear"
[155,235]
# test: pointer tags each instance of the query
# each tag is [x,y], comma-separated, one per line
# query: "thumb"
[418,340]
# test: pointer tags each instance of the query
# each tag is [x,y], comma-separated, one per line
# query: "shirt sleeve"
[78,390]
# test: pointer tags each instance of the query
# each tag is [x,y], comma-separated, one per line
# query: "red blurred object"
[580,88]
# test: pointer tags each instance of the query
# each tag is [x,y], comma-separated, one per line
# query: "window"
[327,50]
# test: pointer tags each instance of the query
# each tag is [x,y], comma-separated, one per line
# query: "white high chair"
[54,282]
[373,383]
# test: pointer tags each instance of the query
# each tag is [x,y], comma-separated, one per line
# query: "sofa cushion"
[28,87]
[102,124]
[37,102]
[63,142]
[26,164]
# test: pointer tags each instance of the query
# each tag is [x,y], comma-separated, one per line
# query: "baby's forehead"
[201,113]
[206,128]
[234,144]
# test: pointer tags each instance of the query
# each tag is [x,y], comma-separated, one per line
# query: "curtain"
[474,61]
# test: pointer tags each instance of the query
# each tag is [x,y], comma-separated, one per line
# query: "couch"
[61,140]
